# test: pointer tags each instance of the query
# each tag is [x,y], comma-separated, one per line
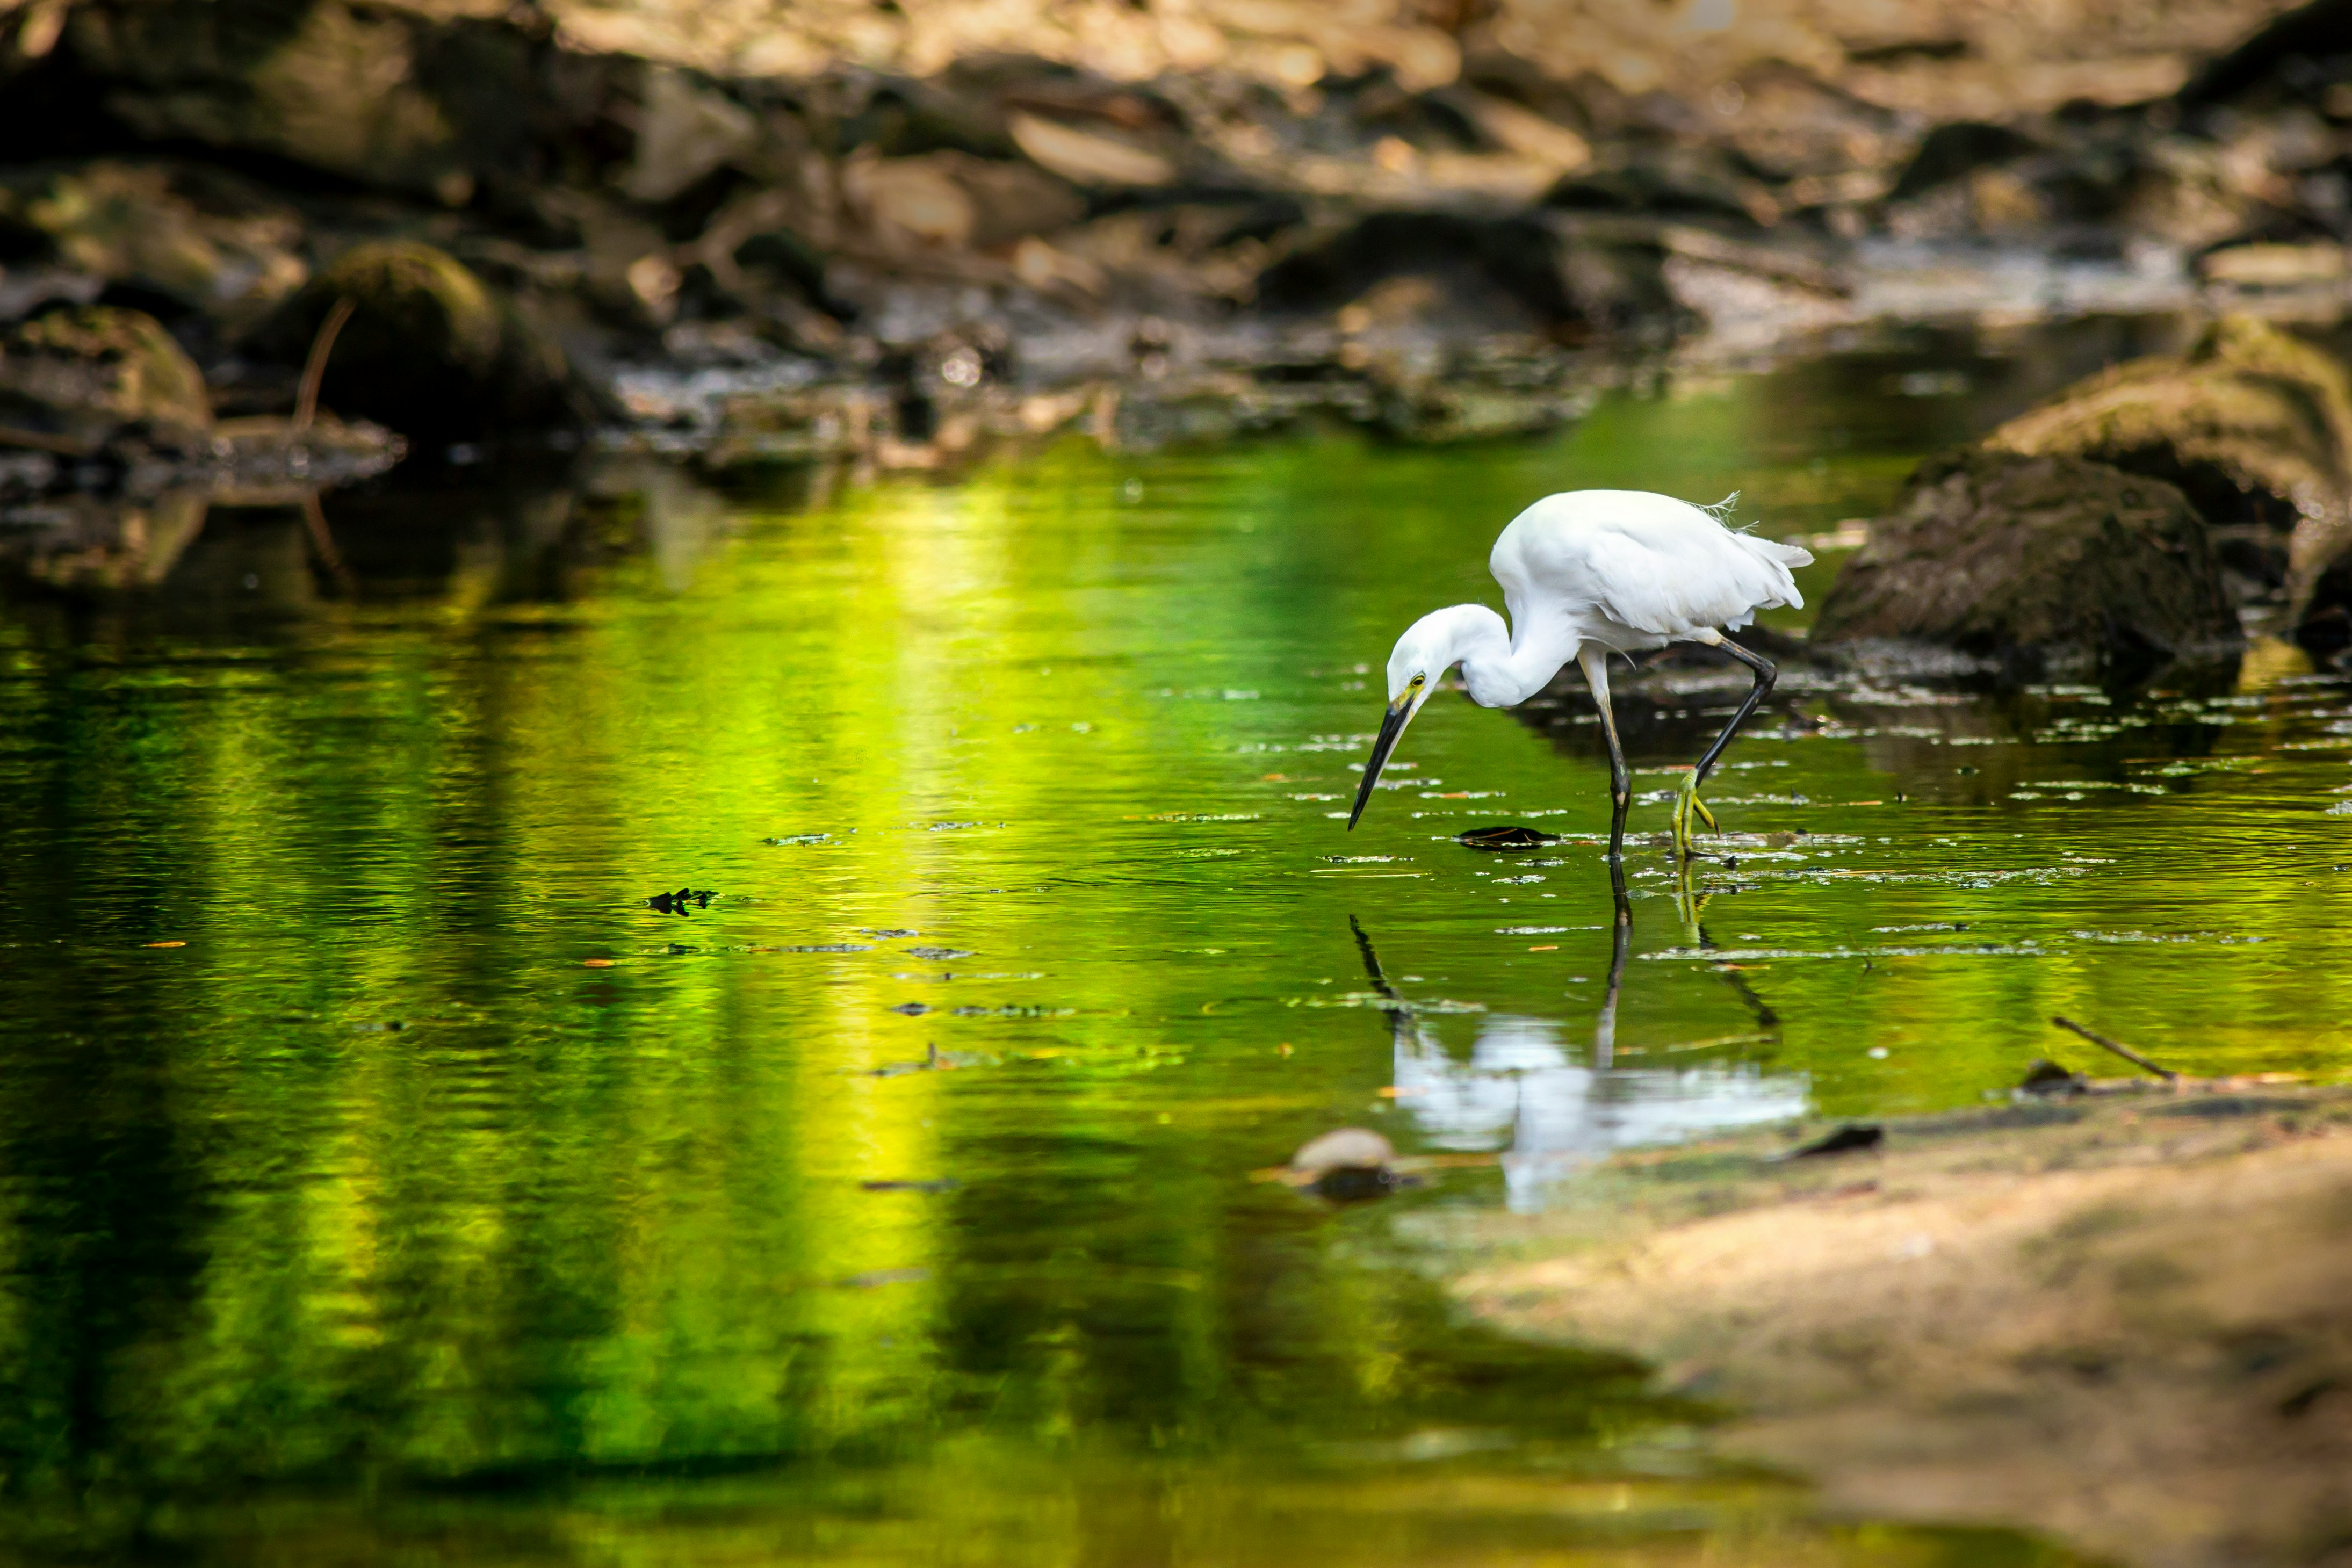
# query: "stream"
[395,1168]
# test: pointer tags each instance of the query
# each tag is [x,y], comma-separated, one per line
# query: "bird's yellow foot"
[1690,808]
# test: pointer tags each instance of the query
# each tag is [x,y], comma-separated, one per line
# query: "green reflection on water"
[435,1189]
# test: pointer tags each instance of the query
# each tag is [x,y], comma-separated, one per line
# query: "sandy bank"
[2122,1319]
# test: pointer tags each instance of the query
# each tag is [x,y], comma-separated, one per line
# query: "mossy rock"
[430,351]
[2001,555]
[2254,424]
[73,381]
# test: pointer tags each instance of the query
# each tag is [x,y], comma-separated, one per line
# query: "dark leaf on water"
[940,953]
[944,1184]
[1852,1138]
[912,1009]
[679,902]
[1508,836]
[797,839]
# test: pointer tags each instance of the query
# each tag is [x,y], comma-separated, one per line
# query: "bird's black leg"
[1765,675]
[1594,662]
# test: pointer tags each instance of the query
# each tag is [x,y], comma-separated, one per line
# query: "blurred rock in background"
[893,231]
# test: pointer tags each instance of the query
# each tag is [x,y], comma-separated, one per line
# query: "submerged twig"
[314,369]
[2103,1044]
[314,520]
[41,440]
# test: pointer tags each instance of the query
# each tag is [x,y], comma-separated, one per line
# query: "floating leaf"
[1852,1138]
[1505,836]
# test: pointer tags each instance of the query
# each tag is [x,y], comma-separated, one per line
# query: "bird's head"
[1430,646]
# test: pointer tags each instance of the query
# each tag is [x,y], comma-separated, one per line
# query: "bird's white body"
[1630,570]
[1619,570]
[1585,574]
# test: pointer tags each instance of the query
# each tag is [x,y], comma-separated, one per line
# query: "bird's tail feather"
[1779,560]
[1773,550]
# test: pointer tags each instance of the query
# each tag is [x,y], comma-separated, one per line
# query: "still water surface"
[383,1180]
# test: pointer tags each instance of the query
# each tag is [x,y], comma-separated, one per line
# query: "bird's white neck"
[1503,667]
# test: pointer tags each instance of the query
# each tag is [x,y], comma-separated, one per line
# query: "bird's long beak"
[1400,714]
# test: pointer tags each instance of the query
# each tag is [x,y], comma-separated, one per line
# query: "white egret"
[1586,574]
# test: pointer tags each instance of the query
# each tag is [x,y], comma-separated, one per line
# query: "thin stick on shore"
[2127,1052]
[314,370]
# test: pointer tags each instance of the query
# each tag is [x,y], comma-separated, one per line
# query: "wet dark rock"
[1675,181]
[1517,255]
[190,237]
[2046,1077]
[73,381]
[430,349]
[1554,273]
[1951,151]
[1348,1165]
[2304,36]
[414,100]
[1351,1185]
[2006,557]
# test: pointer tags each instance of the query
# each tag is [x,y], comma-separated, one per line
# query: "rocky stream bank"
[247,250]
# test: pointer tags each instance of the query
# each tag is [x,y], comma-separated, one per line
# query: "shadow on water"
[381,1172]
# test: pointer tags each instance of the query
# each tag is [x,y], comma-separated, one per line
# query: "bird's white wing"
[1649,563]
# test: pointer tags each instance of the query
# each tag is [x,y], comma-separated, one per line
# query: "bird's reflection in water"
[1553,1108]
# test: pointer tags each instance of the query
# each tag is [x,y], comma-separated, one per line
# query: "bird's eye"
[1420,680]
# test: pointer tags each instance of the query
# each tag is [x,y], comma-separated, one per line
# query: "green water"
[381,1180]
